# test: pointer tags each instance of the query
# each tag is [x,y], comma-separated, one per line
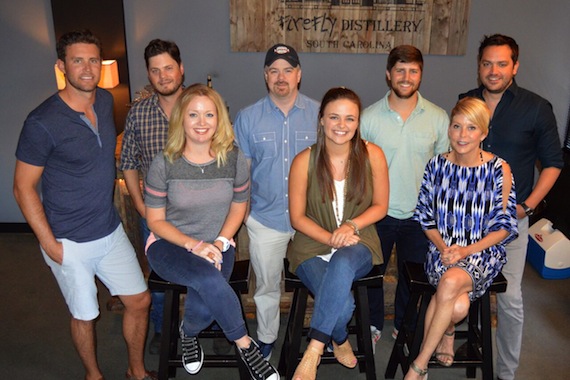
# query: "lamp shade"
[109,74]
[59,77]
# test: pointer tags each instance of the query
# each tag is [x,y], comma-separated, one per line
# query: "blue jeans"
[330,283]
[210,297]
[411,245]
[157,298]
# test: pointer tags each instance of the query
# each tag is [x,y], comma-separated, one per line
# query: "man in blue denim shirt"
[270,133]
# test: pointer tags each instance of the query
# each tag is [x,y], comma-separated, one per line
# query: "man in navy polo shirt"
[68,145]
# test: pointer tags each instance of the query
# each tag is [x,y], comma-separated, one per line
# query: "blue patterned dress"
[465,204]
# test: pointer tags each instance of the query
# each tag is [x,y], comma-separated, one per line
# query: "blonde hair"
[475,110]
[222,141]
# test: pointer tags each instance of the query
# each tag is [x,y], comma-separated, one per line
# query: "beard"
[167,91]
[401,95]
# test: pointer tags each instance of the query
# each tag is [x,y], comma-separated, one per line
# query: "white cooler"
[548,250]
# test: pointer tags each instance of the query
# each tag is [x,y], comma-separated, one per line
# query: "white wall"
[201,29]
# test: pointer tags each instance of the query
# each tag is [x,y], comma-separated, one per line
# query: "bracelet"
[353,225]
[196,246]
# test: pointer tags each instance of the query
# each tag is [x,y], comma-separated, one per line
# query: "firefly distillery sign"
[350,26]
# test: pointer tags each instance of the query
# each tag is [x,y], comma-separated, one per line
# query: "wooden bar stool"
[477,351]
[291,353]
[170,359]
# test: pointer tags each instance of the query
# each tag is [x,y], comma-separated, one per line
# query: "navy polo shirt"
[78,179]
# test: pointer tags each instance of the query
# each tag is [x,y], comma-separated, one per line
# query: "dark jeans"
[411,245]
[210,297]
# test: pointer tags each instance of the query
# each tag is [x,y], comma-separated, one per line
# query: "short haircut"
[405,54]
[475,110]
[158,46]
[499,40]
[76,37]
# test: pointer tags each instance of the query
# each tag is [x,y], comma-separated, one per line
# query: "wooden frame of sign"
[350,26]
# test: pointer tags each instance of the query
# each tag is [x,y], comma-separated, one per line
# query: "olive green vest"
[303,247]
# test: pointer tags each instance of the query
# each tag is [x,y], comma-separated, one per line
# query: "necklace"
[201,167]
[336,201]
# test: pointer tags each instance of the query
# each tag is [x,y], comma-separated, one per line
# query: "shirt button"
[285,142]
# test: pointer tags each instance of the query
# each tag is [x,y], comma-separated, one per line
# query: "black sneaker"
[192,353]
[259,368]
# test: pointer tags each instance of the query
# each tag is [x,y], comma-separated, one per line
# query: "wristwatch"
[527,210]
[225,243]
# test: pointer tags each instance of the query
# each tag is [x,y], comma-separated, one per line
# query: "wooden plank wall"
[434,26]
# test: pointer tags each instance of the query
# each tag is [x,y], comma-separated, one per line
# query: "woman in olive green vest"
[338,189]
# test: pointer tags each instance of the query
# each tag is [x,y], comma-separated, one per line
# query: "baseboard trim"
[15,228]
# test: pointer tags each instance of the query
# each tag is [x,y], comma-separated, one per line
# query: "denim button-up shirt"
[270,140]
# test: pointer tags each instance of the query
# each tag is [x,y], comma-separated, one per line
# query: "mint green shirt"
[408,146]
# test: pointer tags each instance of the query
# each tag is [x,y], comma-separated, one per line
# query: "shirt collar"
[420,105]
[300,102]
[512,90]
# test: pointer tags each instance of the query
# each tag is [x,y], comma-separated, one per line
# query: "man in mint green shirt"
[410,130]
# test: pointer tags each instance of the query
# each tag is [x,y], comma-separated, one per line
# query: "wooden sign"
[350,26]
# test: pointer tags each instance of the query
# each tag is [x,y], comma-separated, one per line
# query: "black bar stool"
[291,353]
[170,359]
[477,351]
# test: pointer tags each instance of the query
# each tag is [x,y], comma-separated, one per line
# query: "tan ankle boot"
[307,368]
[344,354]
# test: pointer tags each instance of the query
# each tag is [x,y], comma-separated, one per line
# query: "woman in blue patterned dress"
[467,209]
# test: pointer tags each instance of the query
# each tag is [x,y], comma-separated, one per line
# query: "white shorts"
[111,258]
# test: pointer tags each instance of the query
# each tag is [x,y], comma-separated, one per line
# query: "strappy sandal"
[344,354]
[307,368]
[422,372]
[445,354]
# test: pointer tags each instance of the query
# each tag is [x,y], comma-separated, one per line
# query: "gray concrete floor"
[35,341]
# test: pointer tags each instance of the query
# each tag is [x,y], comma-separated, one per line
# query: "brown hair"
[358,161]
[405,54]
[499,40]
